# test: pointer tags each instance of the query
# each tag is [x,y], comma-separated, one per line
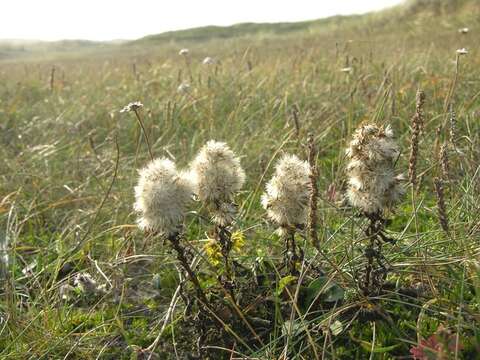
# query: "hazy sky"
[122,19]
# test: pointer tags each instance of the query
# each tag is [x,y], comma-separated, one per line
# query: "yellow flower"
[238,240]
[213,251]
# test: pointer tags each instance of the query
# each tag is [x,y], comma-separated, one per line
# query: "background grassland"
[66,193]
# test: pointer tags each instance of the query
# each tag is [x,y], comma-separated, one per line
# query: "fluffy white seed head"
[162,197]
[183,88]
[372,183]
[287,193]
[208,61]
[217,176]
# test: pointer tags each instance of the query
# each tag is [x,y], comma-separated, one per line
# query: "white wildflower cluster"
[162,197]
[217,176]
[287,193]
[372,183]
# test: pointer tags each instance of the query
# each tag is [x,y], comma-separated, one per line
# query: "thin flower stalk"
[453,126]
[313,202]
[174,240]
[296,120]
[185,53]
[459,53]
[135,108]
[52,78]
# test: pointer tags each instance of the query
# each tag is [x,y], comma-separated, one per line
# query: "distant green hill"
[410,10]
[243,29]
[21,48]
[412,13]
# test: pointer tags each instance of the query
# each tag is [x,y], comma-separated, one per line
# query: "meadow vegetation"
[81,280]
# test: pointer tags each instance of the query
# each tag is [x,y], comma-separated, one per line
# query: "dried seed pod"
[372,183]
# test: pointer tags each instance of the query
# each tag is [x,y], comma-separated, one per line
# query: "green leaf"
[284,282]
[378,349]
[314,289]
[331,292]
[334,293]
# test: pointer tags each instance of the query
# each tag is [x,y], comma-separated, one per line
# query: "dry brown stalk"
[52,79]
[182,257]
[417,128]
[312,212]
[444,162]
[438,137]
[296,121]
[145,135]
[442,212]
[453,125]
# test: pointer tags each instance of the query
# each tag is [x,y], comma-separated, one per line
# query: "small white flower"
[462,51]
[133,106]
[208,61]
[184,52]
[464,30]
[162,196]
[183,88]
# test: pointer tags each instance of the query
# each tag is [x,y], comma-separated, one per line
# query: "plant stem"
[312,213]
[140,121]
[375,267]
[369,255]
[291,256]
[224,238]
[175,241]
[187,64]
